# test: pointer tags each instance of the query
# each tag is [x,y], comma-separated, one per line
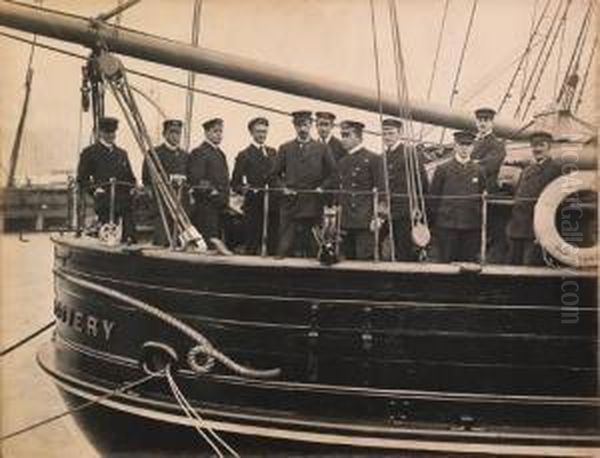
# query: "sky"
[328,38]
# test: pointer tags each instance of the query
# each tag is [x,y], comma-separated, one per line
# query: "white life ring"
[544,224]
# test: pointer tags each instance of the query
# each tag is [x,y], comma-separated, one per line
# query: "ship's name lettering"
[85,323]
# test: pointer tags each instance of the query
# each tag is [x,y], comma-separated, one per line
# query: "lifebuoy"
[544,224]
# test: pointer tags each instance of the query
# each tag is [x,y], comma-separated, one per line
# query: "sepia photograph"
[312,228]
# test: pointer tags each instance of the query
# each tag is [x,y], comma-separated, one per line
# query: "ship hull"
[392,357]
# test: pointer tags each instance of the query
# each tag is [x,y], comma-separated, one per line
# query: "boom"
[87,32]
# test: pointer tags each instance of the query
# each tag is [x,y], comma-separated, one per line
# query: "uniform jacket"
[336,148]
[532,182]
[453,179]
[98,164]
[256,167]
[304,166]
[359,171]
[396,166]
[207,169]
[490,152]
[173,161]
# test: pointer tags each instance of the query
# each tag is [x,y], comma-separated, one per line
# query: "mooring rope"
[24,340]
[193,414]
[124,387]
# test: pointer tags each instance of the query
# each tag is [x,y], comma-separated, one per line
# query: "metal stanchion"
[75,223]
[265,228]
[113,193]
[484,208]
[376,225]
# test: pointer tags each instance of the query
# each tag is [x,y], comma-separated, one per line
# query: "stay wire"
[435,59]
[561,25]
[26,339]
[583,84]
[524,59]
[538,60]
[460,62]
[79,408]
[386,176]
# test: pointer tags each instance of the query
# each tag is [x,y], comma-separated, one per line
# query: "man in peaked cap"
[325,123]
[489,152]
[174,161]
[522,247]
[397,174]
[251,173]
[208,175]
[360,171]
[302,164]
[100,162]
[456,197]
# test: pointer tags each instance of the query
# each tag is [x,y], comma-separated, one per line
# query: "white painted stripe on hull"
[338,439]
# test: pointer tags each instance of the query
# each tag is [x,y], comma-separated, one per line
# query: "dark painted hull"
[372,355]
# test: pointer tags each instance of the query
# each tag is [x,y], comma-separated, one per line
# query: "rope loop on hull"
[204,346]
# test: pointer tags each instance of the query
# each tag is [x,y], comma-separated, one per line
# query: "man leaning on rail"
[174,161]
[98,164]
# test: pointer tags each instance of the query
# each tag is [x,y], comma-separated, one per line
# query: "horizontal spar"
[86,32]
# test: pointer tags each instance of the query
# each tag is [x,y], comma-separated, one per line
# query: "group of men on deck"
[306,175]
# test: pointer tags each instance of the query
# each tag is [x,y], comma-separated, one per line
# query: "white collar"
[171,147]
[481,136]
[460,160]
[211,143]
[326,140]
[106,145]
[258,146]
[542,160]
[303,142]
[394,146]
[356,148]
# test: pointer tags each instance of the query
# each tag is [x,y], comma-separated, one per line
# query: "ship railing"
[272,196]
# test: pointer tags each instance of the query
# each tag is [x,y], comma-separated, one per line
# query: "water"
[27,395]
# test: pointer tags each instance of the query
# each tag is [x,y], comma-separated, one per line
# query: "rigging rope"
[386,177]
[26,339]
[124,387]
[575,60]
[191,77]
[14,155]
[523,57]
[538,59]
[559,58]
[531,32]
[436,58]
[416,199]
[561,25]
[586,74]
[460,62]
